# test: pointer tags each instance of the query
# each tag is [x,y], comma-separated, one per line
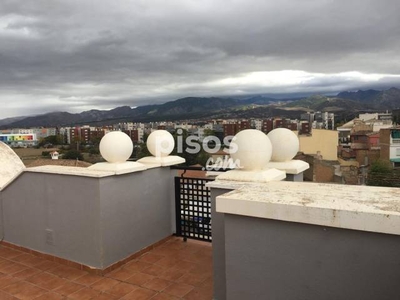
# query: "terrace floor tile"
[172,270]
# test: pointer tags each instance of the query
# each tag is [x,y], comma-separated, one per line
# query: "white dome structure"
[116,147]
[285,144]
[160,143]
[251,149]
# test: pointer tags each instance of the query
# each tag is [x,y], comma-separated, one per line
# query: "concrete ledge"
[261,176]
[76,171]
[229,185]
[374,209]
[153,162]
[118,168]
[289,167]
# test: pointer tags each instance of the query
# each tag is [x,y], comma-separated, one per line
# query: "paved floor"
[173,270]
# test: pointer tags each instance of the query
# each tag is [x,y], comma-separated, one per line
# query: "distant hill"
[345,104]
[191,105]
[262,112]
[352,101]
[308,103]
[337,105]
[260,100]
[386,100]
[67,119]
[359,95]
[185,108]
[10,120]
[325,103]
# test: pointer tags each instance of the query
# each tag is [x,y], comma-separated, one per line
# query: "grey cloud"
[108,53]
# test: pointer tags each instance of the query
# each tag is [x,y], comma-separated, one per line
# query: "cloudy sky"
[75,55]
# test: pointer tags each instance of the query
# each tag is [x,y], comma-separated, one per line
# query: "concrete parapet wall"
[288,240]
[269,259]
[95,221]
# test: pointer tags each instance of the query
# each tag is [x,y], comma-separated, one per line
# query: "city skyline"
[74,55]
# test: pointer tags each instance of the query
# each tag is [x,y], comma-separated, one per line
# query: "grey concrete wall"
[93,221]
[218,247]
[268,259]
[295,177]
[173,174]
[135,212]
[67,205]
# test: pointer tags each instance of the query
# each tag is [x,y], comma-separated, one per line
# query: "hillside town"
[341,154]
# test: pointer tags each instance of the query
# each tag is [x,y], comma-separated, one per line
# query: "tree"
[95,141]
[46,153]
[94,151]
[192,157]
[72,154]
[395,119]
[382,174]
[51,139]
[380,166]
[139,151]
[209,132]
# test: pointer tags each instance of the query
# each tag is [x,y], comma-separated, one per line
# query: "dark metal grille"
[193,208]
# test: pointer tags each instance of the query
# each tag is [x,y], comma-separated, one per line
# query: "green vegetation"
[310,102]
[200,157]
[94,151]
[50,141]
[382,174]
[380,167]
[140,149]
[46,154]
[72,154]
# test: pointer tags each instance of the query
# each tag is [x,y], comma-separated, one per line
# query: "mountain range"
[344,105]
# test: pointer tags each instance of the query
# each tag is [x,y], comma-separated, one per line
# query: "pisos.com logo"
[192,144]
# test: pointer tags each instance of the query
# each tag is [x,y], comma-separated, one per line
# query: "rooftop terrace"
[172,270]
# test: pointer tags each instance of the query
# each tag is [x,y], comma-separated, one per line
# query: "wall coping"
[76,171]
[374,209]
[229,185]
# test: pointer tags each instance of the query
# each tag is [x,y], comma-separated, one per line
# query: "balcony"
[108,233]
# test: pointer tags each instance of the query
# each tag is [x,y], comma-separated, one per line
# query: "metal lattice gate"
[193,208]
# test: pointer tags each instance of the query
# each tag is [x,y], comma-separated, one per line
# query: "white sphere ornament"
[285,144]
[251,149]
[160,143]
[116,147]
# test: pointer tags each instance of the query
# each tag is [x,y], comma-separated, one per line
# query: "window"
[395,134]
